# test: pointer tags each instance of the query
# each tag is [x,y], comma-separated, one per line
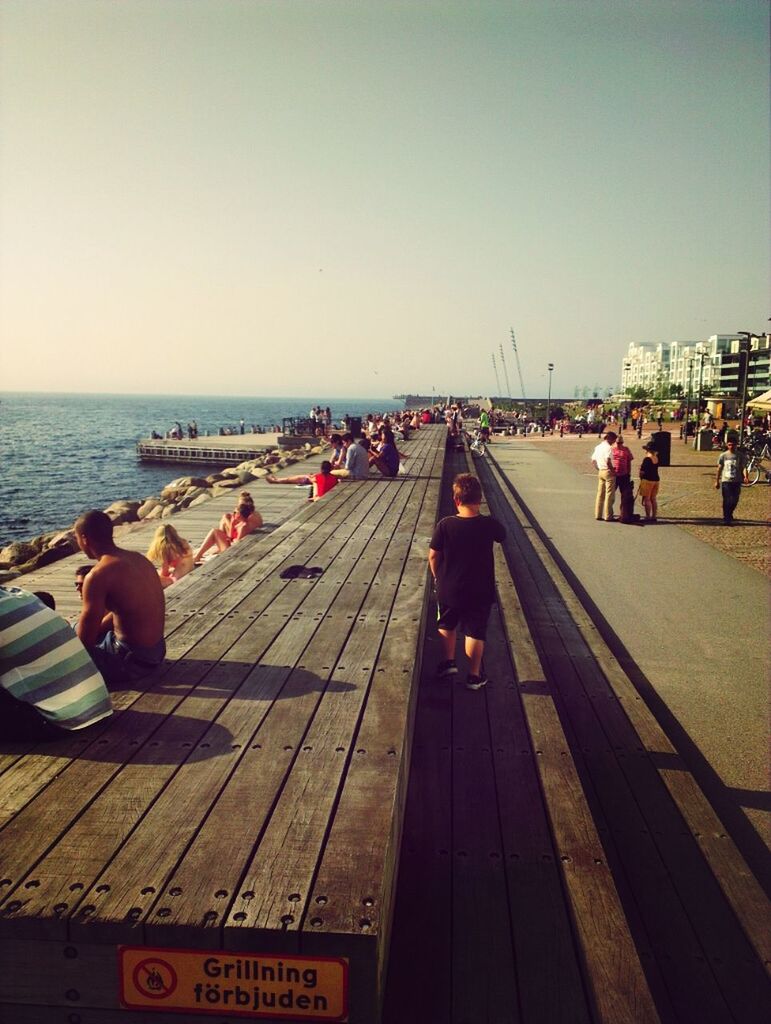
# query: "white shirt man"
[606,478]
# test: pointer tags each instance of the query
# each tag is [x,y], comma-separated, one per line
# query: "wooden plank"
[614,974]
[259,686]
[355,871]
[348,548]
[281,865]
[31,777]
[484,979]
[157,766]
[419,984]
[721,954]
[548,972]
[735,878]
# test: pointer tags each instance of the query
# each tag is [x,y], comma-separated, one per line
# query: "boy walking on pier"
[461,561]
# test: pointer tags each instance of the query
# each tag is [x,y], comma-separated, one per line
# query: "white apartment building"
[645,366]
[656,366]
[689,359]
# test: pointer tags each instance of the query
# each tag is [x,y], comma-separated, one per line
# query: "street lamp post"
[688,401]
[550,368]
[701,382]
[745,346]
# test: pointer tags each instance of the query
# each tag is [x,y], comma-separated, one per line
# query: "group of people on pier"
[55,680]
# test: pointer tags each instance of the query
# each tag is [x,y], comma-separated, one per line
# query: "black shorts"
[472,621]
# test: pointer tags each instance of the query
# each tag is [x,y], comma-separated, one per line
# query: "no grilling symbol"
[155,978]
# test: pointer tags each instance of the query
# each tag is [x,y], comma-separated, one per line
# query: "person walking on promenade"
[731,470]
[649,482]
[122,619]
[621,460]
[606,478]
[461,561]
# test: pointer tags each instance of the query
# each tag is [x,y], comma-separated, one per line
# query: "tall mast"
[519,368]
[505,371]
[497,378]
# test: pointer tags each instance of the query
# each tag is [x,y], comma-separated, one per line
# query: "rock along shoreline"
[21,557]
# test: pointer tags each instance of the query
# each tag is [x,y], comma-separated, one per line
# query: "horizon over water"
[63,453]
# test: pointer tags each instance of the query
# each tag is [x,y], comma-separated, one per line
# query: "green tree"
[639,394]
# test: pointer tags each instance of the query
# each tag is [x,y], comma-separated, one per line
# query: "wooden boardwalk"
[560,863]
[556,860]
[250,800]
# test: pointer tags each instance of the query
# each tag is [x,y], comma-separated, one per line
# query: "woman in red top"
[234,526]
[321,482]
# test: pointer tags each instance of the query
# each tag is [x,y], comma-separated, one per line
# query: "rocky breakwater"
[22,556]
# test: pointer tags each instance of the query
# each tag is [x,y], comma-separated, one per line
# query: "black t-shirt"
[649,470]
[466,577]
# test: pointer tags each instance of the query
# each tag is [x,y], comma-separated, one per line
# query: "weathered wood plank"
[548,971]
[704,958]
[617,981]
[419,985]
[268,640]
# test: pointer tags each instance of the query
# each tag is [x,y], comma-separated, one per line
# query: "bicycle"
[755,458]
[477,445]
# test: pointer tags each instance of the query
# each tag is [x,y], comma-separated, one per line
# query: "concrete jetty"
[227,450]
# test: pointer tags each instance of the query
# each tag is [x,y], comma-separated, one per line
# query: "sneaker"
[445,669]
[475,682]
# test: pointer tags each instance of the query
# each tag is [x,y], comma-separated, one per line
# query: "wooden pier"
[296,796]
[224,450]
[249,803]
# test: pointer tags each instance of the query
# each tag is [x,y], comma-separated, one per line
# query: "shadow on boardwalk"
[483,927]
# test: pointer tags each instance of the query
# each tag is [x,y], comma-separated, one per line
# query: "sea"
[61,454]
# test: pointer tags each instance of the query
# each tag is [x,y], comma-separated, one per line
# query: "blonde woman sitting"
[174,554]
[234,526]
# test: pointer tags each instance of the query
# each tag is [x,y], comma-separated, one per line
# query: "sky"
[364,197]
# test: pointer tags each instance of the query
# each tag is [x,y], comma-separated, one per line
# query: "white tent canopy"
[762,402]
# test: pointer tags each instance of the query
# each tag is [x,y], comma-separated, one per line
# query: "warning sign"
[239,984]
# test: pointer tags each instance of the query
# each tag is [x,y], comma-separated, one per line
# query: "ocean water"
[62,453]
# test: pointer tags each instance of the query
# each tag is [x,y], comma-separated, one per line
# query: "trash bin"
[662,439]
[704,440]
[354,425]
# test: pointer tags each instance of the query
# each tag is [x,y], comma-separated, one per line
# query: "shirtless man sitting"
[121,623]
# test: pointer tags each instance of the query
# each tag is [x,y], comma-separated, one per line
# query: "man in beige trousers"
[606,478]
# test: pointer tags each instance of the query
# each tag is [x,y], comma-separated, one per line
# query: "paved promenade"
[684,604]
[687,498]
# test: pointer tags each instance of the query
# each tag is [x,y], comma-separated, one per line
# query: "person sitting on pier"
[80,574]
[387,456]
[356,459]
[234,526]
[121,623]
[49,687]
[320,482]
[174,554]
[338,452]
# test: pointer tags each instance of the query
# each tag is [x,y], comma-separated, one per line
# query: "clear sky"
[285,197]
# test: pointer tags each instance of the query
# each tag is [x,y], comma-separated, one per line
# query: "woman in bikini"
[174,554]
[234,526]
